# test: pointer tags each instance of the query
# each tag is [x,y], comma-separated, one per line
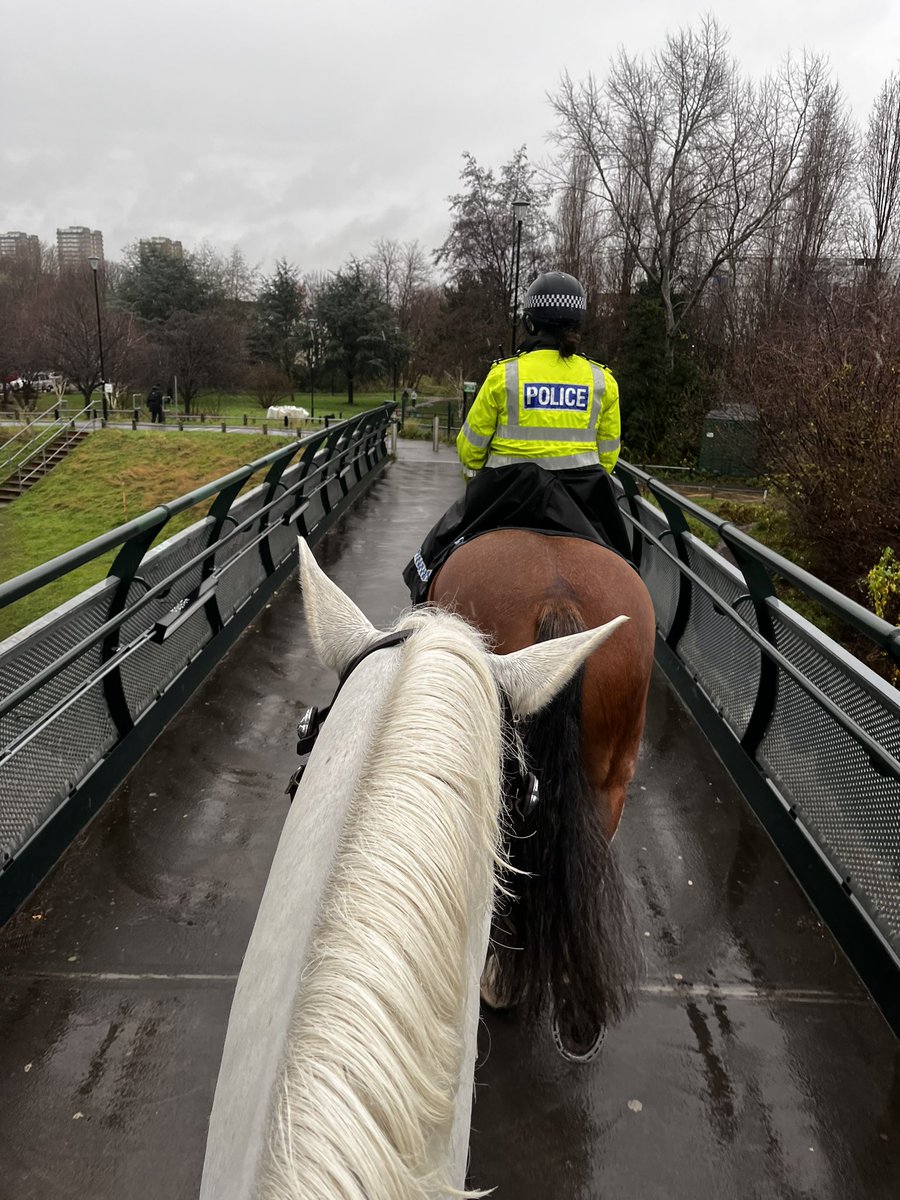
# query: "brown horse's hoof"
[576,1044]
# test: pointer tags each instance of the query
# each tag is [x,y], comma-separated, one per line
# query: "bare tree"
[478,251]
[797,255]
[690,159]
[383,264]
[823,380]
[413,278]
[70,336]
[880,232]
[399,270]
[203,350]
[226,276]
[578,232]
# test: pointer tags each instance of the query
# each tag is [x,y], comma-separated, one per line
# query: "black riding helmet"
[555,298]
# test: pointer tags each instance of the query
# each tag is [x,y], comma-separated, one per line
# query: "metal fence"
[423,411]
[85,689]
[810,733]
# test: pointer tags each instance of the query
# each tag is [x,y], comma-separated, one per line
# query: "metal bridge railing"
[810,733]
[85,689]
[28,446]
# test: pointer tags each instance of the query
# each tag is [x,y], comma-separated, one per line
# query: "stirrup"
[584,1056]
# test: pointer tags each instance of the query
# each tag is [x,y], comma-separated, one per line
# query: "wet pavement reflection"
[753,1066]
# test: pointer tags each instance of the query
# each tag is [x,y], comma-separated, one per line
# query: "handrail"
[876,752]
[107,656]
[42,416]
[47,432]
[62,439]
[62,564]
[881,632]
[808,732]
[9,702]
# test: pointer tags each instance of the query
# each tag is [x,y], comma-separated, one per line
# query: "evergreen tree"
[155,284]
[355,317]
[663,394]
[281,307]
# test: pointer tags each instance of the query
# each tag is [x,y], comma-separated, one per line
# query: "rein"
[313,718]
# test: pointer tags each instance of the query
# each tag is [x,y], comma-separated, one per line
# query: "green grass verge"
[112,477]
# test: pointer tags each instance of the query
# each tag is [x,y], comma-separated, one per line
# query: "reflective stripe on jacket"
[539,407]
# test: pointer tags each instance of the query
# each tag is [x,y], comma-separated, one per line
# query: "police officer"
[548,419]
[549,404]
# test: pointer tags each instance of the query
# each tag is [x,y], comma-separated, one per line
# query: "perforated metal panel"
[37,776]
[713,645]
[314,490]
[35,779]
[282,539]
[853,809]
[657,571]
[238,563]
[147,673]
[845,798]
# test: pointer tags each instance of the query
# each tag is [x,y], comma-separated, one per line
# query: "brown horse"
[564,942]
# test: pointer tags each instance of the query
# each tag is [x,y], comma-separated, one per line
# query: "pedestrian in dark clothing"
[155,405]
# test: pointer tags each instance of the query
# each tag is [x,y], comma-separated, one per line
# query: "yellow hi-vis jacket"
[539,407]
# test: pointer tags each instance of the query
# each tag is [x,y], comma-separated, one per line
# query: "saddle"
[576,503]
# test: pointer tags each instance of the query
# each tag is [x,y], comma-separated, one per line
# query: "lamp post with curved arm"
[95,263]
[520,207]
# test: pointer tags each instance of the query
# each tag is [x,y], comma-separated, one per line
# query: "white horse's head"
[529,678]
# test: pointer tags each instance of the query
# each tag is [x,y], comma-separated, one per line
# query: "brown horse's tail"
[566,940]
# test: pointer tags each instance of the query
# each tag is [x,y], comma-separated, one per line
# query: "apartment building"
[23,247]
[161,245]
[77,244]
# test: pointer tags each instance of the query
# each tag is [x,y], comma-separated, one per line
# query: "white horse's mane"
[365,1100]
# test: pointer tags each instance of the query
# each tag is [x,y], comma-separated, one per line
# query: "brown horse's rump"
[565,943]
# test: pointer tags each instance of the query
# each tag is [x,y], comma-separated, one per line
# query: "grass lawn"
[112,477]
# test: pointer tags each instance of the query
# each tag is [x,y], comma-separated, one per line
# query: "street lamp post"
[390,350]
[519,210]
[312,359]
[95,263]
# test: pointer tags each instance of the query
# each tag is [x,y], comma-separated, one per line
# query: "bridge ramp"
[754,1065]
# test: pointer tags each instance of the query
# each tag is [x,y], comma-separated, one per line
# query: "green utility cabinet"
[729,444]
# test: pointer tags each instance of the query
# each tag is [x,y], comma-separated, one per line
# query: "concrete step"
[57,449]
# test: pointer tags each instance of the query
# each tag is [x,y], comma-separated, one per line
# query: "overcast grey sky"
[307,130]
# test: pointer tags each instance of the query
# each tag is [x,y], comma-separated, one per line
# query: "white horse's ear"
[530,678]
[339,630]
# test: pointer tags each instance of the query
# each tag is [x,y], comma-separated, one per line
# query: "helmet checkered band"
[558,300]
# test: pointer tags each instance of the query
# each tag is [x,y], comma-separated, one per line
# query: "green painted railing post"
[679,527]
[273,483]
[760,589]
[124,568]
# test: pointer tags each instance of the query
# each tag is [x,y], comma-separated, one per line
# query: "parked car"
[45,381]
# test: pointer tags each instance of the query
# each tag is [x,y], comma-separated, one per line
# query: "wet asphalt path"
[754,1066]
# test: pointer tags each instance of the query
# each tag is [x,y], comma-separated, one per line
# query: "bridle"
[520,783]
[310,723]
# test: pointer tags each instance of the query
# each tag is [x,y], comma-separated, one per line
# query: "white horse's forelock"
[365,1103]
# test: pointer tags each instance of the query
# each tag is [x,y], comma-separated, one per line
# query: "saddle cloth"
[577,503]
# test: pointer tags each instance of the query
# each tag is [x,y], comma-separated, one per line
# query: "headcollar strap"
[313,718]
